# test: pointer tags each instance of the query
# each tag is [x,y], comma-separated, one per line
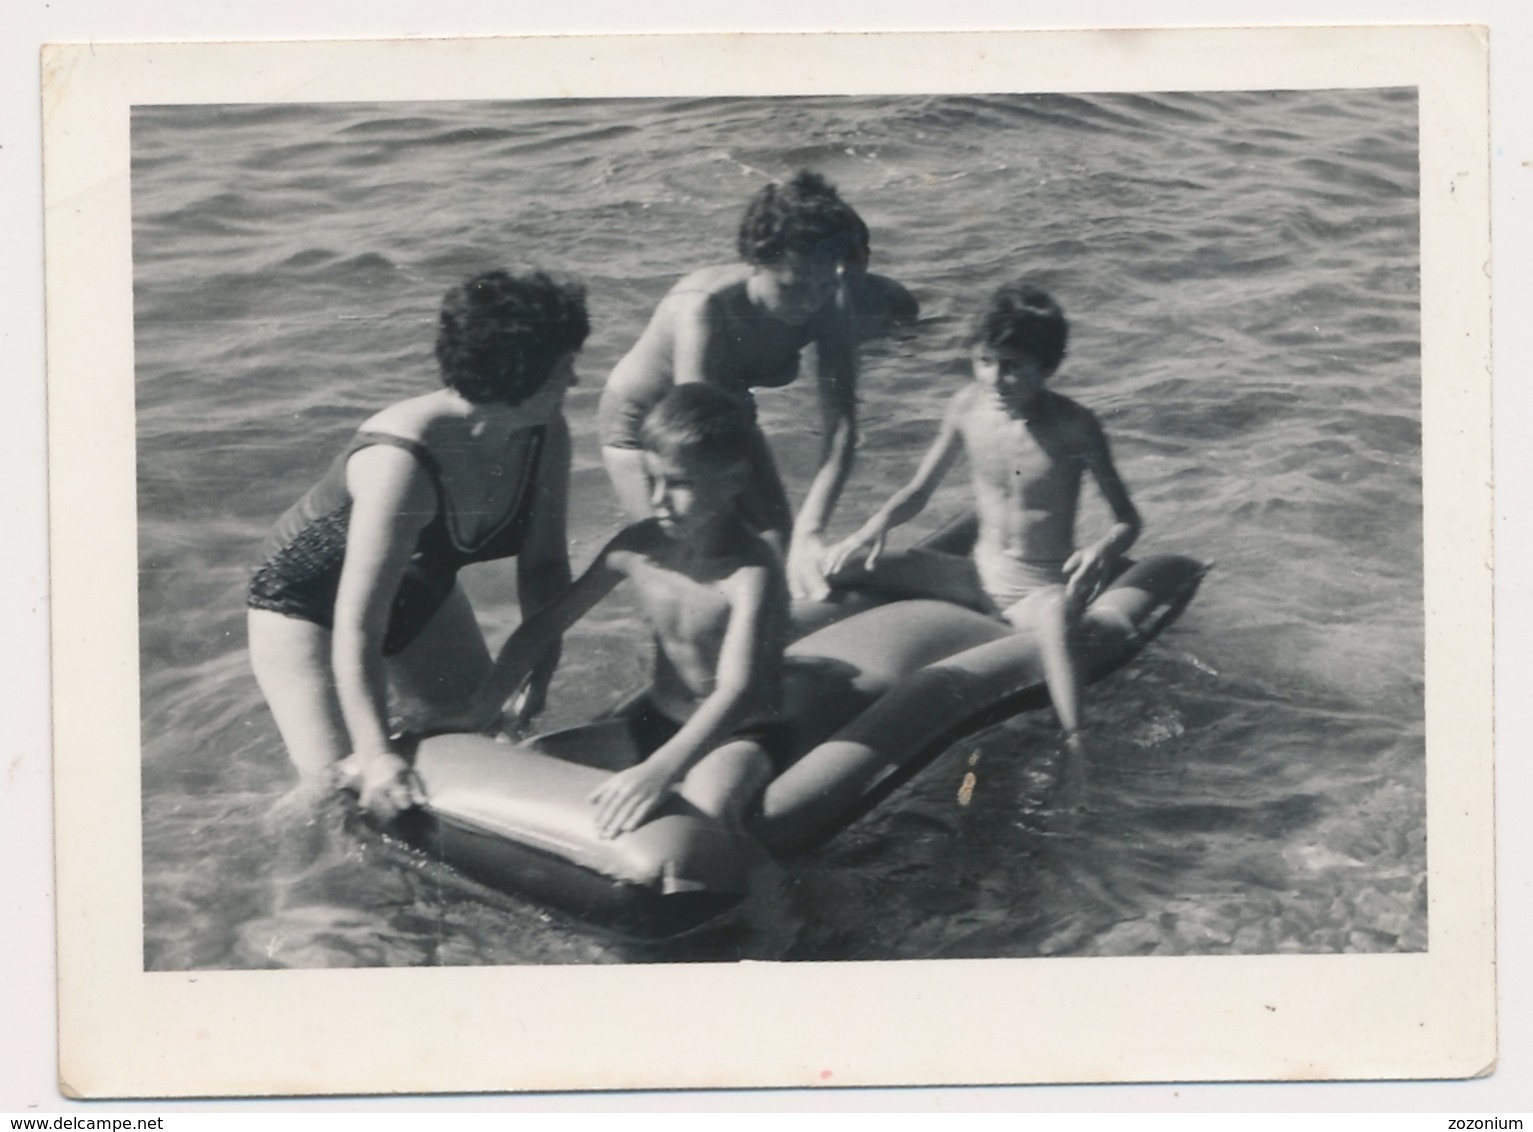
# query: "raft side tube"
[942,702]
[517,819]
[839,671]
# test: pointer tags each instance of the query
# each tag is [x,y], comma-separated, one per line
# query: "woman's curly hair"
[500,335]
[806,216]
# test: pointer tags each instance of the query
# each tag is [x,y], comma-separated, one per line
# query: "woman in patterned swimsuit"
[356,596]
[803,282]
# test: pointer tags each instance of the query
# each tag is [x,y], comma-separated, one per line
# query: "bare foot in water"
[1070,790]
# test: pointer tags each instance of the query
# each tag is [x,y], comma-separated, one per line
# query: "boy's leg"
[291,659]
[920,573]
[726,782]
[1055,618]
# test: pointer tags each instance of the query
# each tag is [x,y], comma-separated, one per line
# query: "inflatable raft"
[876,691]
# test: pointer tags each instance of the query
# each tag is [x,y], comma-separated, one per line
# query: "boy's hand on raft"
[1085,571]
[385,784]
[838,556]
[806,572]
[628,797]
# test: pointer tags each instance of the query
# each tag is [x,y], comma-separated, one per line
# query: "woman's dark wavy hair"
[1020,316]
[806,216]
[500,335]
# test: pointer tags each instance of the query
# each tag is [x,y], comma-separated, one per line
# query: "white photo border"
[125,1032]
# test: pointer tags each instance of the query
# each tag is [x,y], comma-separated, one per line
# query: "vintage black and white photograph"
[842,528]
[1196,313]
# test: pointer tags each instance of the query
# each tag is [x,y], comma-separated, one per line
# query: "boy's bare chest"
[682,605]
[1010,456]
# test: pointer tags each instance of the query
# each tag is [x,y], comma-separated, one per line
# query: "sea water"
[1241,275]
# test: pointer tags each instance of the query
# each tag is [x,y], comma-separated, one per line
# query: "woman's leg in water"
[292,663]
[291,658]
[437,672]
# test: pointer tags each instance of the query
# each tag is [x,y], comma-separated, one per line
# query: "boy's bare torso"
[688,601]
[1026,473]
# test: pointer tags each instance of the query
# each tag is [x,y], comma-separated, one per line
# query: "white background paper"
[26,1022]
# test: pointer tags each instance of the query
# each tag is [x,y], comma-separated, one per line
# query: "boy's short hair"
[806,216]
[701,423]
[500,335]
[1020,316]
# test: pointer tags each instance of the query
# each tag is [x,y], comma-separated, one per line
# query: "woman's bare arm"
[673,350]
[543,565]
[392,500]
[837,374]
[906,503]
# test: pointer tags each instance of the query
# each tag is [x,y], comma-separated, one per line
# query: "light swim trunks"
[1008,579]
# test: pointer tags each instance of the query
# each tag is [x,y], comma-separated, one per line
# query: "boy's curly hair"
[500,335]
[806,216]
[702,423]
[1020,316]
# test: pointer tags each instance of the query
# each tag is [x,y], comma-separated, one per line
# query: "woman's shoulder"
[414,419]
[710,283]
[714,277]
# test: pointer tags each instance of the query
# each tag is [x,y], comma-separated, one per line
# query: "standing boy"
[1028,447]
[716,600]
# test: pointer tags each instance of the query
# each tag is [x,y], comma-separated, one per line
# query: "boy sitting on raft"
[1027,447]
[716,599]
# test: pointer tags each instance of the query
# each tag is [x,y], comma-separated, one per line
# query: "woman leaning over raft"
[356,596]
[804,282]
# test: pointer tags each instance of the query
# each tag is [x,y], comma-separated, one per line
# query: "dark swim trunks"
[301,562]
[650,729]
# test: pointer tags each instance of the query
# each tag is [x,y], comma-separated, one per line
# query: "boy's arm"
[523,651]
[628,797]
[1087,567]
[906,503]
